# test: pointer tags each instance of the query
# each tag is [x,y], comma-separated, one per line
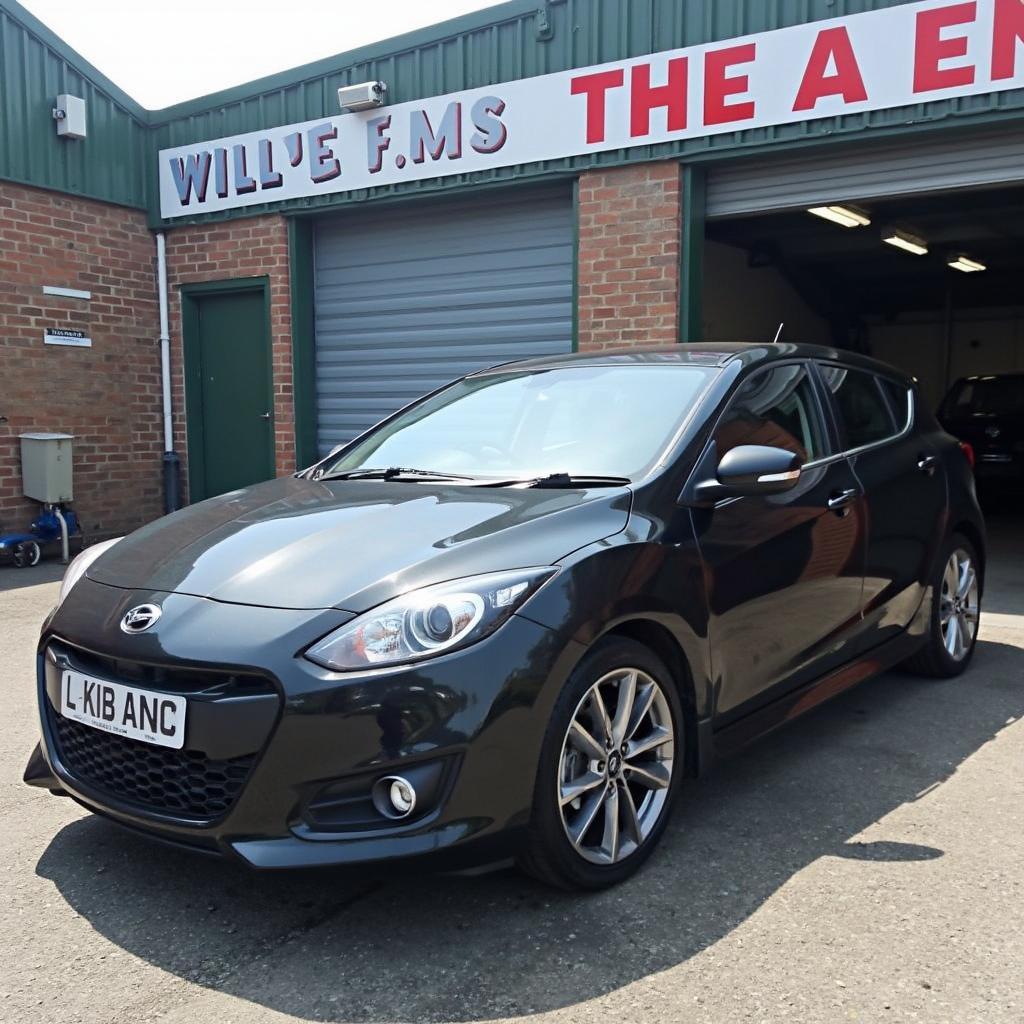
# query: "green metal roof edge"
[430,34]
[496,14]
[49,38]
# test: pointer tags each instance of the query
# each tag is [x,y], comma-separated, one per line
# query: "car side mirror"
[747,470]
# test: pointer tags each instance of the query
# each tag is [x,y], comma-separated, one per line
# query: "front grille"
[183,783]
[169,678]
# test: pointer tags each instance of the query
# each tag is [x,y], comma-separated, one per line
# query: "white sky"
[162,52]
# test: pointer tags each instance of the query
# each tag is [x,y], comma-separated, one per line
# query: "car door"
[904,490]
[784,571]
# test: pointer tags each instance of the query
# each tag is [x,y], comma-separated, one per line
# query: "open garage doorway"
[932,283]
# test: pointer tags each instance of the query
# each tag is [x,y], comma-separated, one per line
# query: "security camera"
[364,96]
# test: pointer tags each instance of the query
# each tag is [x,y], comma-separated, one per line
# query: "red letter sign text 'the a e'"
[832,47]
[932,45]
[718,86]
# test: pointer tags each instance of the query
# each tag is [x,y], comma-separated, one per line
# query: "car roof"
[700,354]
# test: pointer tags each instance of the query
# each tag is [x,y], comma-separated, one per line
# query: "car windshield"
[987,396]
[576,420]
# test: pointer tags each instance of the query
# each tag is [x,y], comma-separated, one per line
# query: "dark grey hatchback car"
[510,620]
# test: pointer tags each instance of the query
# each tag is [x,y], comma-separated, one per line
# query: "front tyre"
[955,613]
[610,766]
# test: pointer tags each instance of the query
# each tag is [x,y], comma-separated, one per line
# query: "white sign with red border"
[900,56]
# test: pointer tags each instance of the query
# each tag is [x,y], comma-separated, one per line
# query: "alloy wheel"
[958,605]
[616,766]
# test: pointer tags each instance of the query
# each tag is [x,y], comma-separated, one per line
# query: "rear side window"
[774,407]
[899,400]
[864,414]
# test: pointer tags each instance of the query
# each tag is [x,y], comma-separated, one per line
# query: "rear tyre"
[610,767]
[955,613]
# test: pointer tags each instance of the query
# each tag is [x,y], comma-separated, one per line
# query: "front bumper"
[292,731]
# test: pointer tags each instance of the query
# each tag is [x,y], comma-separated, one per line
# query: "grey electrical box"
[69,113]
[46,467]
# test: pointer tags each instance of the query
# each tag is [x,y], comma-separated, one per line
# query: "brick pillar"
[630,231]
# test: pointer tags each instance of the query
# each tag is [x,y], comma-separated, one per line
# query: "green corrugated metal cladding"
[35,66]
[513,40]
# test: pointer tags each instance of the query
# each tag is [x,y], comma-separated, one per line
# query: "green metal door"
[229,397]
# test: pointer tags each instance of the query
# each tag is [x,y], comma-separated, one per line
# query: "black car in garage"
[987,413]
[514,617]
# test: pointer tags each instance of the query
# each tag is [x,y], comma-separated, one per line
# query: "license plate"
[157,718]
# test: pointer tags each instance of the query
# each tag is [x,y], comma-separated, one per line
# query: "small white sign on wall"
[59,336]
[66,293]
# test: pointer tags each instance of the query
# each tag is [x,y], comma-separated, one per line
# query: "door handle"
[926,464]
[840,501]
[264,415]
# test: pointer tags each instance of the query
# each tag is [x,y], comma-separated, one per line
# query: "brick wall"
[253,247]
[108,395]
[630,228]
[630,222]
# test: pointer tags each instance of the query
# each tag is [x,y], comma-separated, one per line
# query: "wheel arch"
[659,639]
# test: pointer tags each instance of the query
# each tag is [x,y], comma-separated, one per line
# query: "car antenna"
[778,333]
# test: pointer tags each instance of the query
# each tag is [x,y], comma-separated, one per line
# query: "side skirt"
[739,734]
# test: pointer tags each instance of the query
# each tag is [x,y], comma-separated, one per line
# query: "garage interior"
[847,287]
[842,284]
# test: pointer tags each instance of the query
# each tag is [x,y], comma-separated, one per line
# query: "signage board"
[60,336]
[895,57]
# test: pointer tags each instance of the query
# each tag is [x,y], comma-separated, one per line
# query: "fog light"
[403,797]
[394,797]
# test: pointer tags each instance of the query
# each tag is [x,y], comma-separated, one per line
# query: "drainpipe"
[172,496]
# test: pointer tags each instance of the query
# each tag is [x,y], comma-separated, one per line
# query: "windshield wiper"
[551,481]
[392,473]
[562,480]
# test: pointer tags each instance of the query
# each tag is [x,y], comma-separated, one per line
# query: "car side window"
[774,407]
[899,400]
[864,414]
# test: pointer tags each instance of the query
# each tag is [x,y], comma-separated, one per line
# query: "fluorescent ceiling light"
[846,216]
[966,264]
[905,241]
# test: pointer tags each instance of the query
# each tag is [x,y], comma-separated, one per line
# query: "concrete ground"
[864,864]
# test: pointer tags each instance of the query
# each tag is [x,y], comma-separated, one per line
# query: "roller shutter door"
[873,171]
[412,297]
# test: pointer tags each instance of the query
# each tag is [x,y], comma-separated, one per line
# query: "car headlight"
[76,570]
[429,621]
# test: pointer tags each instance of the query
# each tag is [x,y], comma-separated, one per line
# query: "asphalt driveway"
[864,864]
